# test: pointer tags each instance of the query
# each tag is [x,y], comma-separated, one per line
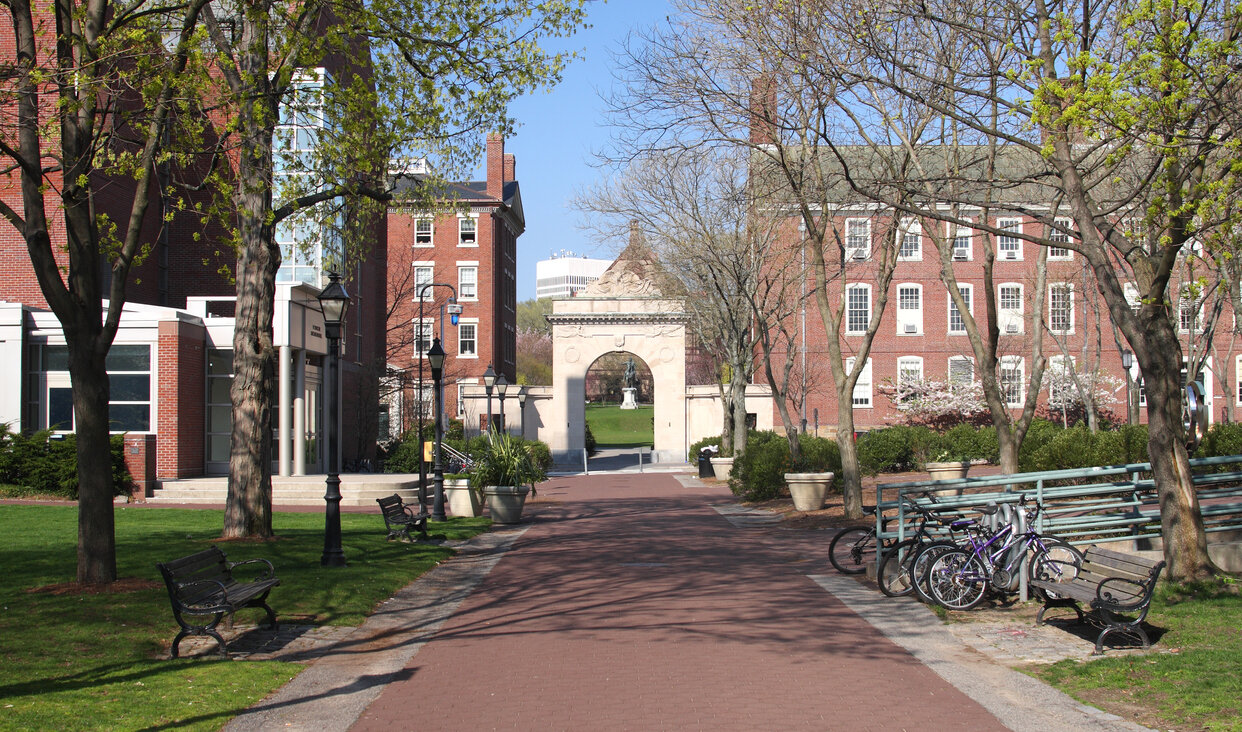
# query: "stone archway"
[624,310]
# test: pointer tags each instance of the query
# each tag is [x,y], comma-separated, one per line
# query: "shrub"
[1221,439]
[966,442]
[893,449]
[759,473]
[589,439]
[1072,448]
[696,447]
[1039,434]
[44,463]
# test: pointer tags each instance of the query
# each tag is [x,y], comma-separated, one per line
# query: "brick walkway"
[632,604]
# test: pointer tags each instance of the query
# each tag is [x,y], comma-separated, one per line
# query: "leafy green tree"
[94,93]
[416,81]
[532,315]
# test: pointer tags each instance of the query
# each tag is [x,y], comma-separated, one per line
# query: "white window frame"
[1183,298]
[909,316]
[960,231]
[429,235]
[968,292]
[960,359]
[1009,242]
[852,249]
[472,323]
[427,332]
[910,228]
[1011,318]
[1055,253]
[1131,292]
[909,364]
[462,268]
[430,267]
[1067,287]
[1017,365]
[850,290]
[862,396]
[461,240]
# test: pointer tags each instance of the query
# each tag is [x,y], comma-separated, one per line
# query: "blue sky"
[558,132]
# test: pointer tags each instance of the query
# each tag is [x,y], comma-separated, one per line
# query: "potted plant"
[808,489]
[504,470]
[947,466]
[463,498]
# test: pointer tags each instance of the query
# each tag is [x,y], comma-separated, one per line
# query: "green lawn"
[89,661]
[617,427]
[1193,678]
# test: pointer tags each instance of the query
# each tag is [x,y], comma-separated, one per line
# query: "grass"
[1193,679]
[77,661]
[617,427]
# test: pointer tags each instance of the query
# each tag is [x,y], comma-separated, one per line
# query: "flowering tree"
[940,403]
[1070,391]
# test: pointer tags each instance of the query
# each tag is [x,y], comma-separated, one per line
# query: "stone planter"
[948,471]
[505,502]
[462,499]
[808,489]
[721,467]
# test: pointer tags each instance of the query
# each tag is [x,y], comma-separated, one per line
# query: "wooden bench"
[1116,587]
[400,518]
[202,586]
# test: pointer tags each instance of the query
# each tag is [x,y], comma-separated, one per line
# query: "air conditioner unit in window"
[1011,255]
[857,254]
[911,328]
[961,254]
[1011,327]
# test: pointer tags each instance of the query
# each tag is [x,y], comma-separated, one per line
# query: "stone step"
[356,490]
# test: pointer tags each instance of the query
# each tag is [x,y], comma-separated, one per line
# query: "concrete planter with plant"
[506,470]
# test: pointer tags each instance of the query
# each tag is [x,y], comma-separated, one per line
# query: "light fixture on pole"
[421,335]
[334,302]
[522,410]
[1127,360]
[489,381]
[502,385]
[435,357]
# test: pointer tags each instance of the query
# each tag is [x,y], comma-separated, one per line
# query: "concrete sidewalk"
[630,603]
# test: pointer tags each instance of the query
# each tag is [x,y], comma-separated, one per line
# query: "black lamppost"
[334,301]
[455,309]
[435,357]
[522,410]
[502,385]
[489,381]
[1127,360]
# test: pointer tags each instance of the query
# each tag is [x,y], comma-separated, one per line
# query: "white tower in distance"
[564,273]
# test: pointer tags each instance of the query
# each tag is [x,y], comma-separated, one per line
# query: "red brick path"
[631,604]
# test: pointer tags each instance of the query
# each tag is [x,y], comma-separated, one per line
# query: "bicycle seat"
[962,523]
[869,510]
[989,510]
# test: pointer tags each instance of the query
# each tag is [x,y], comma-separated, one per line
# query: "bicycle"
[907,559]
[959,579]
[852,549]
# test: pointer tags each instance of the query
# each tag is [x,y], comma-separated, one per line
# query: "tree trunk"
[851,475]
[737,395]
[96,520]
[1181,524]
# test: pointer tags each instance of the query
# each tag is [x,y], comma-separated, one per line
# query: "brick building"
[472,248]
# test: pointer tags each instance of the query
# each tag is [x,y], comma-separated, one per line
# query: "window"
[129,384]
[467,282]
[467,339]
[467,231]
[1060,380]
[909,371]
[909,309]
[1132,296]
[857,238]
[1059,233]
[423,335]
[911,241]
[1010,315]
[424,232]
[1011,382]
[1189,312]
[424,274]
[961,370]
[961,241]
[858,308]
[957,323]
[862,387]
[1009,243]
[1061,307]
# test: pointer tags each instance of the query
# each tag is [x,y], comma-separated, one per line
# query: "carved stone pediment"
[620,283]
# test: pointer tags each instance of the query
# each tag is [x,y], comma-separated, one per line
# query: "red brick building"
[473,250]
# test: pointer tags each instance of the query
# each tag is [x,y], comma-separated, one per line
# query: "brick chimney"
[763,111]
[510,168]
[495,165]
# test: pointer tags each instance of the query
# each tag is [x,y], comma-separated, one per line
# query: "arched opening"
[619,392]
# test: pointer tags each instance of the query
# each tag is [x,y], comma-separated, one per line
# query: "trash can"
[705,463]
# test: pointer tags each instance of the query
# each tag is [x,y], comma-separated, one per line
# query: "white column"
[299,413]
[285,411]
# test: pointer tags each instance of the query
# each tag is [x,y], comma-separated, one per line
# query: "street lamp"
[435,357]
[489,381]
[502,385]
[522,410]
[1127,360]
[455,311]
[334,301]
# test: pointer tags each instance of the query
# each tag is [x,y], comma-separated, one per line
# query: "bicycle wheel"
[957,580]
[852,549]
[922,560]
[1059,561]
[894,574]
